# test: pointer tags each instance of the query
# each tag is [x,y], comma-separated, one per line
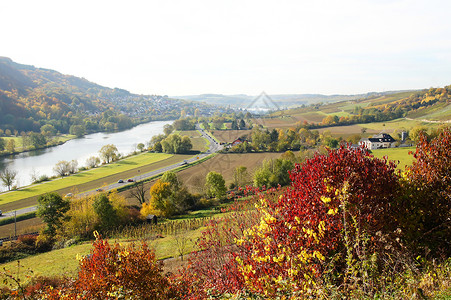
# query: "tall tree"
[138,192]
[52,209]
[105,212]
[93,161]
[159,203]
[240,176]
[8,177]
[215,185]
[62,168]
[109,153]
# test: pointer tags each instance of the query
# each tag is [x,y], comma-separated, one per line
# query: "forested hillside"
[32,97]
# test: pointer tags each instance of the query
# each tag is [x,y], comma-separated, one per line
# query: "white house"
[382,140]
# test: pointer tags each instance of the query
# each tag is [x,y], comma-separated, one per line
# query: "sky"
[173,47]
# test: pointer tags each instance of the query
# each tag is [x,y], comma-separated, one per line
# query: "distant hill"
[280,100]
[31,97]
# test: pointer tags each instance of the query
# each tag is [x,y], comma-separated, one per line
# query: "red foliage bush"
[426,210]
[286,244]
[116,272]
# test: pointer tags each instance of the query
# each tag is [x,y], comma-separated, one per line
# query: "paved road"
[213,147]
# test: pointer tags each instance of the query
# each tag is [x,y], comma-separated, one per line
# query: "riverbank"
[63,138]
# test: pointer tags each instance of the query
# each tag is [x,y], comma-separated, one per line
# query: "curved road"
[213,147]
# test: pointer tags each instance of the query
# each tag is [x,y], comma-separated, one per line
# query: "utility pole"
[15,223]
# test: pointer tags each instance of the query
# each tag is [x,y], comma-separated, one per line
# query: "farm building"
[378,141]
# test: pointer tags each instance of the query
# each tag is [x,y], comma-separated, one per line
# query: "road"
[213,147]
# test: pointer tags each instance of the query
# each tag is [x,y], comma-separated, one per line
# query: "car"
[69,195]
[184,163]
[120,181]
[130,180]
[99,190]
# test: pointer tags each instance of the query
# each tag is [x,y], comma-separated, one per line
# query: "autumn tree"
[7,177]
[328,219]
[62,168]
[109,153]
[179,197]
[93,161]
[171,178]
[159,204]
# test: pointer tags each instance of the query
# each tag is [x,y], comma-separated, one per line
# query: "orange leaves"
[113,271]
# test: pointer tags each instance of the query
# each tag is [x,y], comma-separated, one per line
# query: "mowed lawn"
[83,177]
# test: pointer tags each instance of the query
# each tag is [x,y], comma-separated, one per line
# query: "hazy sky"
[192,47]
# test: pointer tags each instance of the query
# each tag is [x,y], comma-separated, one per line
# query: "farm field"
[194,177]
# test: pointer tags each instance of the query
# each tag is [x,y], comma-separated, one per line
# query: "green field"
[397,154]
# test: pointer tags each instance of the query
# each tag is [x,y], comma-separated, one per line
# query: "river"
[41,162]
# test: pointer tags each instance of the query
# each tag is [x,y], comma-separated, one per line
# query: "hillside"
[31,97]
[431,105]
